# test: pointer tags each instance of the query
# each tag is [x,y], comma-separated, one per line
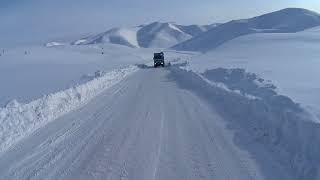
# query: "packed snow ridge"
[154,35]
[20,120]
[268,121]
[289,20]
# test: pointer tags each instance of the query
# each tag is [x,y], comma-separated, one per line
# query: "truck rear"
[158,59]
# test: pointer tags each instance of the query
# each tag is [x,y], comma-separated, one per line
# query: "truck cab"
[158,59]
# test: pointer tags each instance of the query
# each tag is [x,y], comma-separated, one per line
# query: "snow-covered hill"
[284,21]
[154,35]
[161,35]
[193,30]
[122,36]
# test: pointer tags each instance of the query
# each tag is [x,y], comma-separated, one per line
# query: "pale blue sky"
[28,21]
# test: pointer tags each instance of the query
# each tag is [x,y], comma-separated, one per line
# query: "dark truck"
[158,59]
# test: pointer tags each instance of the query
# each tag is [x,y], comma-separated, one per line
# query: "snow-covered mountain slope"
[193,30]
[161,35]
[289,60]
[284,21]
[121,36]
[154,35]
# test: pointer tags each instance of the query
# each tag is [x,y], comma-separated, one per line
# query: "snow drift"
[289,20]
[19,120]
[270,126]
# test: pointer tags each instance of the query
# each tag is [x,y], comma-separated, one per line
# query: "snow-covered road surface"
[143,128]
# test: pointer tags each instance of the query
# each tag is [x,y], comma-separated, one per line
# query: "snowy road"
[144,128]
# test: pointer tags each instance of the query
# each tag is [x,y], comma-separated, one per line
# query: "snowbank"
[19,120]
[271,126]
[291,62]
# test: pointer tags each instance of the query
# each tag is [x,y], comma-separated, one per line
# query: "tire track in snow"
[160,145]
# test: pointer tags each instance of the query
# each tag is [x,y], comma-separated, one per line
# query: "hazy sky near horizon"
[31,21]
